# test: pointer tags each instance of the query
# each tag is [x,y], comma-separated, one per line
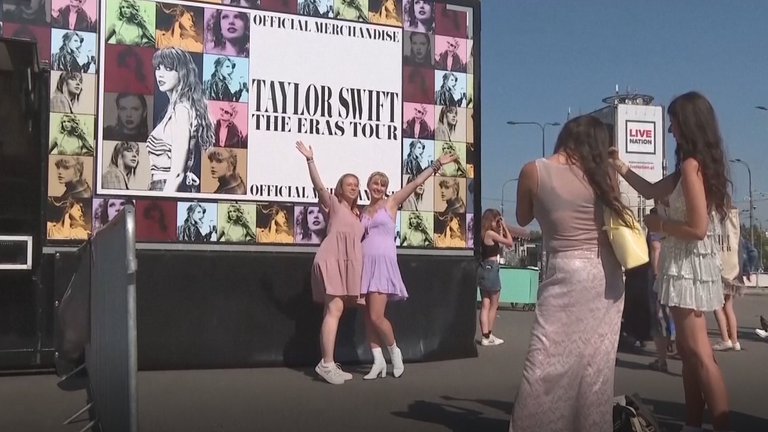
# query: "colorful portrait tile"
[124,166]
[419,16]
[237,222]
[74,51]
[129,69]
[450,231]
[417,229]
[196,221]
[225,78]
[70,177]
[227,34]
[418,121]
[68,218]
[155,220]
[274,223]
[224,171]
[310,224]
[73,93]
[131,22]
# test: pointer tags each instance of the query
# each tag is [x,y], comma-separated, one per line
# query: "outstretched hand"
[613,153]
[447,158]
[306,152]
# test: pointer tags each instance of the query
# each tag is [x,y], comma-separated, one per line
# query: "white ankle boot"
[379,368]
[396,356]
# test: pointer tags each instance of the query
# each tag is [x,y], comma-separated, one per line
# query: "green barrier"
[518,285]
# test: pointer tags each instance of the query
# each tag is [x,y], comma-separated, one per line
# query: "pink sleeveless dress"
[337,268]
[569,370]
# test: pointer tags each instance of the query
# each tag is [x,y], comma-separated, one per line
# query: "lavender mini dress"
[381,273]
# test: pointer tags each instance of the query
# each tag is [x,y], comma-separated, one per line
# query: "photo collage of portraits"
[153,50]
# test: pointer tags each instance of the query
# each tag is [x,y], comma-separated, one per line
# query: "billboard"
[638,133]
[191,110]
[640,140]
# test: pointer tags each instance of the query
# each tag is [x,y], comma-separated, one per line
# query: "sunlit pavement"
[465,395]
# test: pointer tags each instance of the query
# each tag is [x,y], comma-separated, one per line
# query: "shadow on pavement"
[624,364]
[455,418]
[503,406]
[670,416]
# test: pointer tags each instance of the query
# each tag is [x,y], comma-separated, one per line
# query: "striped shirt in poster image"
[185,131]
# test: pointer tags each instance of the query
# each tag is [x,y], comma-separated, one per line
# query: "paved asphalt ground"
[460,396]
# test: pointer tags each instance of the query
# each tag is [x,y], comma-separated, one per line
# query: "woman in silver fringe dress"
[568,375]
[690,280]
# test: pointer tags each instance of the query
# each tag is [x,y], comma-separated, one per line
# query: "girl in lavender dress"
[381,275]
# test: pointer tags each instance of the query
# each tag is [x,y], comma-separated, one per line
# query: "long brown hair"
[585,141]
[488,221]
[698,137]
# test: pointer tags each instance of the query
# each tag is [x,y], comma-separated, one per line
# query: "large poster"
[191,109]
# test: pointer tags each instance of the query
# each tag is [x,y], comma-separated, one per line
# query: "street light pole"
[751,202]
[502,194]
[543,135]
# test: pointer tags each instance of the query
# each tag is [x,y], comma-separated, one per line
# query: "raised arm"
[652,191]
[398,198]
[696,222]
[504,238]
[527,185]
[322,193]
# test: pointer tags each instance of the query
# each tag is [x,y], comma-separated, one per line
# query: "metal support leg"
[79,413]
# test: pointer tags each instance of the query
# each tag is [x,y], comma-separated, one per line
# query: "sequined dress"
[690,271]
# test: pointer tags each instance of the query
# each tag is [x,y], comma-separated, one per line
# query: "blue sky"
[541,57]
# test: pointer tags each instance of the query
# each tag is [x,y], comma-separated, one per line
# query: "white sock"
[392,349]
[378,355]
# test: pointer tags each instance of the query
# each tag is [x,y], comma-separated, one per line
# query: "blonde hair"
[380,176]
[340,183]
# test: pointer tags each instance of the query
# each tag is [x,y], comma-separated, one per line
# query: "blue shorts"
[488,278]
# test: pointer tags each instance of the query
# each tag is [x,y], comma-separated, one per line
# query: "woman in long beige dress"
[338,264]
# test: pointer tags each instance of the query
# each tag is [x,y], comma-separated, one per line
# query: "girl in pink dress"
[381,280]
[337,268]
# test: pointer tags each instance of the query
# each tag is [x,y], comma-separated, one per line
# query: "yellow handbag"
[629,243]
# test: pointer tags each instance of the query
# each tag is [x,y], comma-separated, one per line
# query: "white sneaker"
[723,346]
[332,373]
[762,333]
[491,341]
[737,346]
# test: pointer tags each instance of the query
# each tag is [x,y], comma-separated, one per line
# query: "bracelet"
[621,167]
[310,160]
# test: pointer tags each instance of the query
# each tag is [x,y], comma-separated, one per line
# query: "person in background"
[733,262]
[751,258]
[662,327]
[494,232]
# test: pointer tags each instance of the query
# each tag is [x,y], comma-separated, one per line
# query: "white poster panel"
[227,110]
[335,86]
[640,141]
